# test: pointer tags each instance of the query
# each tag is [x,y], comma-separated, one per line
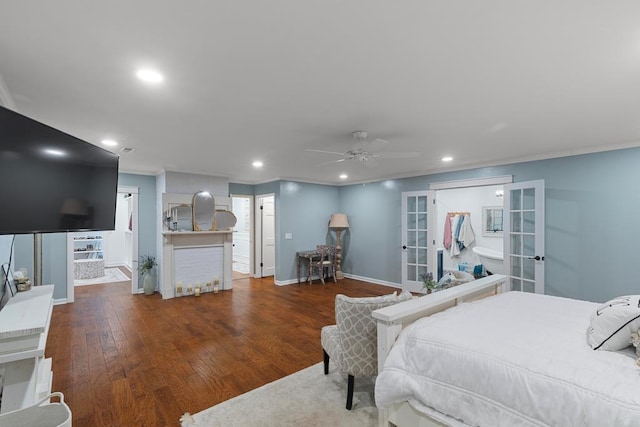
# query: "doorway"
[97,257]
[265,236]
[521,243]
[242,207]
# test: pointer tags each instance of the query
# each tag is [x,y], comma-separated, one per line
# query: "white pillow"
[613,323]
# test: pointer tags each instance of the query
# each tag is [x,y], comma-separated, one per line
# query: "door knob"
[537,258]
[404,246]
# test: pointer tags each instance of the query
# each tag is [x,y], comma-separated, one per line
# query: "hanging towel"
[461,221]
[455,250]
[466,236]
[447,233]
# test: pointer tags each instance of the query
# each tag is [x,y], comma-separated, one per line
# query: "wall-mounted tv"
[52,181]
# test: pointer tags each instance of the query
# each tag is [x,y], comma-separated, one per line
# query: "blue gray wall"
[591,203]
[147,213]
[590,207]
[304,211]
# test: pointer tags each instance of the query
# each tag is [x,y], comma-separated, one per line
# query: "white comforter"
[515,359]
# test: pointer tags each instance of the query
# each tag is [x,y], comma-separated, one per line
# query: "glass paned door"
[418,255]
[524,235]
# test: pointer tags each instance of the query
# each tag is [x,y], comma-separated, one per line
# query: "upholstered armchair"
[352,342]
[326,264]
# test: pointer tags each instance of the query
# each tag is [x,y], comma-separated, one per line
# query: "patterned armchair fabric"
[352,342]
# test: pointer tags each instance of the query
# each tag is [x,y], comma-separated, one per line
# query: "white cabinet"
[24,325]
[88,255]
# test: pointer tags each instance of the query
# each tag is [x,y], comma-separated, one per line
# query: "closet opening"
[107,256]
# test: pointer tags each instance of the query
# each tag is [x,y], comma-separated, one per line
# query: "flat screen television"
[52,181]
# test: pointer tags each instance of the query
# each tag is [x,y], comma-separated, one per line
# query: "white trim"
[372,280]
[474,182]
[330,281]
[5,96]
[59,301]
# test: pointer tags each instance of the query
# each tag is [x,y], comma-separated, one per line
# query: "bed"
[479,355]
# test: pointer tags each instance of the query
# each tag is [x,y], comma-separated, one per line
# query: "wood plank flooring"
[136,360]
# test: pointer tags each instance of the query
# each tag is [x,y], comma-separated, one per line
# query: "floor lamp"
[339,222]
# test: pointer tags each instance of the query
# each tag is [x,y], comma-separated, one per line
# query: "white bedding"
[514,359]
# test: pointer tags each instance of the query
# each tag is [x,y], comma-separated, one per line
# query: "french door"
[524,235]
[418,238]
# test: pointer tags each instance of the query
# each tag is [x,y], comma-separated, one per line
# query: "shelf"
[86,240]
[87,252]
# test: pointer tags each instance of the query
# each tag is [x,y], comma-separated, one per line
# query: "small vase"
[428,291]
[148,283]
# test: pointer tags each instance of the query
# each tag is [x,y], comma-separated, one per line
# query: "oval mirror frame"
[203,211]
[224,220]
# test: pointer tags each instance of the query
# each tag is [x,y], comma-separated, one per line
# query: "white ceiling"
[487,82]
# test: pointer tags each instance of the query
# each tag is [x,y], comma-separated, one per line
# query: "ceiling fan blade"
[325,152]
[334,161]
[398,154]
[380,141]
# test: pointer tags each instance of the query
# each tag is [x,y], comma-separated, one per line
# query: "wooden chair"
[326,263]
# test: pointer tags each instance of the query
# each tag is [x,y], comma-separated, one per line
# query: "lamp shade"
[339,220]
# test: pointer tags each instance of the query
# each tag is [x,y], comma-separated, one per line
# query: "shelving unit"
[88,255]
[24,325]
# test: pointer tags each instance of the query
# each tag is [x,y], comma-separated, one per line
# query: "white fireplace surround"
[195,256]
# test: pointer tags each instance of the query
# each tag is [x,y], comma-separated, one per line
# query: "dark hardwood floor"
[136,360]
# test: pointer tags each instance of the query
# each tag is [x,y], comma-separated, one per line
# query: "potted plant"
[427,282]
[146,266]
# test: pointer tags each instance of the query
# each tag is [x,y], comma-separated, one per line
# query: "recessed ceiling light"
[54,152]
[149,76]
[257,164]
[344,176]
[109,142]
[447,159]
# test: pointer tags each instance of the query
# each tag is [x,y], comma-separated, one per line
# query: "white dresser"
[24,325]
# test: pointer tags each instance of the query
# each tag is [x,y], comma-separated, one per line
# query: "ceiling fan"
[363,153]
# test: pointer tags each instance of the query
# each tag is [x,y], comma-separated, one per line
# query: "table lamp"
[338,222]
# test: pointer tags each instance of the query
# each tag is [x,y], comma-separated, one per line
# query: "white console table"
[24,325]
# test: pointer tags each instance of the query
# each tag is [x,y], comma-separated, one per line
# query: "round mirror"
[224,220]
[203,211]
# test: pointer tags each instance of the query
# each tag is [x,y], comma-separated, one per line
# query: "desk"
[307,256]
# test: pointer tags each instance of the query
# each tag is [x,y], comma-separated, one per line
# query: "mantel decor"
[339,222]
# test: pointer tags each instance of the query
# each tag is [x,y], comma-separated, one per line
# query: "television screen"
[52,181]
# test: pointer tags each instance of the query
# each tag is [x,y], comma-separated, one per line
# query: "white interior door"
[418,239]
[265,236]
[242,208]
[524,235]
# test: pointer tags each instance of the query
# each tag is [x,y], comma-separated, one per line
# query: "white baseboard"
[376,281]
[59,301]
[349,276]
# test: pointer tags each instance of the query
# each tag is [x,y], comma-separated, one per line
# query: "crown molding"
[6,99]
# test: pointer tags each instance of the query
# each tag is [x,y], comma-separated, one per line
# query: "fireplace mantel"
[194,241]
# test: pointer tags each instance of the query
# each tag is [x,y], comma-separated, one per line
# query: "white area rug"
[111,274]
[307,398]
